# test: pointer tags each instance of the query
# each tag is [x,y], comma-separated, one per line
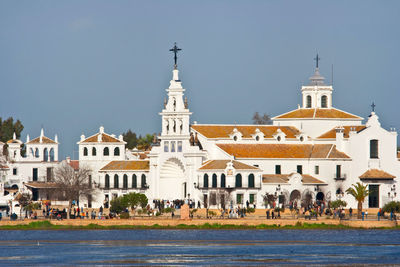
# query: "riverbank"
[86,224]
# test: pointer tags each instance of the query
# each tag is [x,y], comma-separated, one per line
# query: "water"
[199,247]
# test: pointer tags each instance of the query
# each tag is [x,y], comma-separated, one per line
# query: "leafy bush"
[169,210]
[117,205]
[124,215]
[251,210]
[337,204]
[392,206]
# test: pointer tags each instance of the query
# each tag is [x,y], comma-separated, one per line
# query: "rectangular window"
[34,174]
[172,146]
[14,171]
[179,146]
[239,198]
[300,169]
[166,146]
[277,169]
[338,171]
[373,149]
[316,169]
[49,174]
[252,198]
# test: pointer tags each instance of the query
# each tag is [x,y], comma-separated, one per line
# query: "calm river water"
[199,247]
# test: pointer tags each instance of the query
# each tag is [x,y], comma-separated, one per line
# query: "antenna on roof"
[332,76]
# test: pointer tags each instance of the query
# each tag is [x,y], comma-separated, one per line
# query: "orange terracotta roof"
[308,179]
[275,178]
[221,165]
[346,129]
[127,165]
[74,164]
[284,178]
[105,138]
[282,151]
[14,141]
[317,113]
[377,174]
[45,140]
[141,155]
[41,185]
[223,131]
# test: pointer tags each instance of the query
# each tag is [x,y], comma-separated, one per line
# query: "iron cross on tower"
[175,49]
[317,59]
[373,107]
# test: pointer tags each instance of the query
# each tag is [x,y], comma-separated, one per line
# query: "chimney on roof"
[340,138]
[121,138]
[56,138]
[27,138]
[82,137]
[101,129]
[68,160]
[14,136]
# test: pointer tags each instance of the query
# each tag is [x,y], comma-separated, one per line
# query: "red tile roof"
[127,165]
[223,131]
[105,138]
[221,165]
[376,175]
[45,140]
[317,113]
[74,164]
[283,151]
[284,179]
[331,134]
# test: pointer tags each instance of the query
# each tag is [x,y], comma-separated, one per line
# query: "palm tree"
[359,192]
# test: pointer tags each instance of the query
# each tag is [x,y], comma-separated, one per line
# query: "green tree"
[118,205]
[145,142]
[258,119]
[8,127]
[359,192]
[131,139]
[337,204]
[392,206]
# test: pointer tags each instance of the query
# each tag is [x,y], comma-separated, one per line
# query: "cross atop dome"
[317,58]
[317,79]
[175,49]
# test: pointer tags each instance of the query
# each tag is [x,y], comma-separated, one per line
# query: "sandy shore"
[174,222]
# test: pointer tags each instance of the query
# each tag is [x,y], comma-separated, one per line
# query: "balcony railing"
[340,176]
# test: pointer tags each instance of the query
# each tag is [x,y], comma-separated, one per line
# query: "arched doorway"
[307,199]
[320,196]
[172,179]
[295,198]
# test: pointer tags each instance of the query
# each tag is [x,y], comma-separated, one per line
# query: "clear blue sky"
[72,66]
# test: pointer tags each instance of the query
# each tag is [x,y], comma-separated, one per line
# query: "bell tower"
[175,115]
[317,94]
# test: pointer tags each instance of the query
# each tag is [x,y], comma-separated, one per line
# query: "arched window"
[144,181]
[324,100]
[52,154]
[214,180]
[116,151]
[106,151]
[205,180]
[93,151]
[251,180]
[134,181]
[107,182]
[125,182]
[36,153]
[373,149]
[223,180]
[308,104]
[45,154]
[238,182]
[116,181]
[85,151]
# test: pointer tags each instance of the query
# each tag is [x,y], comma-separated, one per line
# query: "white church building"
[312,153]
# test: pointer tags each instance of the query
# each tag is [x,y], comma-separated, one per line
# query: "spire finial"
[373,106]
[175,49]
[317,59]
